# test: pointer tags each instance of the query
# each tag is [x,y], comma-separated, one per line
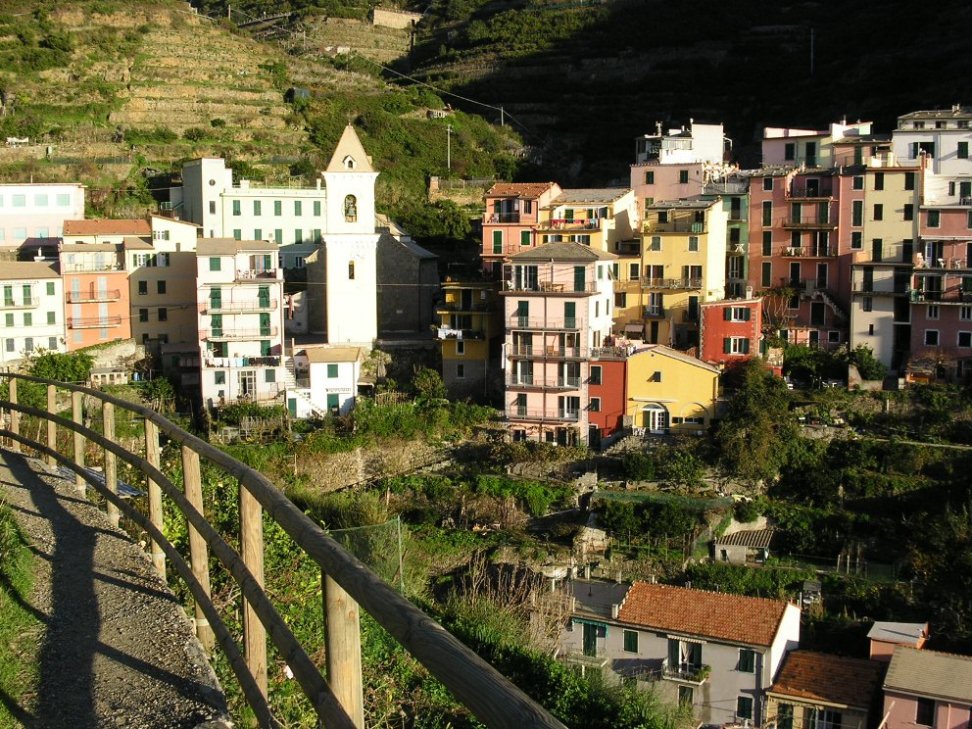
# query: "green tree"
[428,385]
[869,366]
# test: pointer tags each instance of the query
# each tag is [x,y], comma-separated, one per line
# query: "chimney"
[614,611]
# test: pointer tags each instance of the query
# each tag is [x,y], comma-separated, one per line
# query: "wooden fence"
[346,582]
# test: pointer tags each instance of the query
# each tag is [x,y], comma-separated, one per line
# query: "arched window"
[350,209]
[349,163]
[350,269]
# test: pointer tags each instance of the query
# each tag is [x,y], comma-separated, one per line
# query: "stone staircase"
[294,388]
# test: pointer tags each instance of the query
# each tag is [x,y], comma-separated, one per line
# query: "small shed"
[749,546]
[884,636]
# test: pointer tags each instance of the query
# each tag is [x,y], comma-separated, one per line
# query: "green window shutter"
[333,401]
[746,314]
[727,314]
[214,264]
[745,346]
[332,371]
[524,237]
[264,348]
[727,345]
[497,241]
[264,325]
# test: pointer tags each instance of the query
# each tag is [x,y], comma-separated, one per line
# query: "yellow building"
[600,218]
[683,263]
[668,391]
[470,331]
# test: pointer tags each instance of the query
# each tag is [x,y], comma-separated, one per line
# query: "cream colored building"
[32,310]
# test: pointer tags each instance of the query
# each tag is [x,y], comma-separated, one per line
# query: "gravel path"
[117,650]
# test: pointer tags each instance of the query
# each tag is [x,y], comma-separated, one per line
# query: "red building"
[607,393]
[730,330]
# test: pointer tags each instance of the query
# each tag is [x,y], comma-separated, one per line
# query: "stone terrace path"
[116,649]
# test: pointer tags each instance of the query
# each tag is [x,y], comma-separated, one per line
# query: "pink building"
[886,636]
[730,330]
[511,218]
[927,689]
[557,315]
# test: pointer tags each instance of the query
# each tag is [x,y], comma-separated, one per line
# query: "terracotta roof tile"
[107,227]
[718,615]
[828,678]
[519,189]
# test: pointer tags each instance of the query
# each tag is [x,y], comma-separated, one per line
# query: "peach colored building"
[511,217]
[925,688]
[886,636]
[96,296]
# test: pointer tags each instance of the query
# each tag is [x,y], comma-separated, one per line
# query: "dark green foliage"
[537,496]
[195,134]
[234,413]
[869,367]
[639,466]
[158,135]
[670,518]
[770,581]
[746,511]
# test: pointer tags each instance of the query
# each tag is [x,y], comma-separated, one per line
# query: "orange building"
[96,297]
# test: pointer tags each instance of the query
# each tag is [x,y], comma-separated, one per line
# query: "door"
[653,332]
[580,283]
[877,250]
[570,315]
[590,639]
[795,275]
[523,313]
[292,406]
[655,419]
[216,298]
[821,276]
[264,325]
[263,297]
[813,187]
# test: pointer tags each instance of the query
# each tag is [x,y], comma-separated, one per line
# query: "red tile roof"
[519,189]
[832,679]
[107,227]
[718,615]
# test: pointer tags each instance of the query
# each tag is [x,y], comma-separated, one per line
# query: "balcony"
[810,192]
[237,362]
[548,324]
[610,352]
[801,224]
[948,296]
[540,383]
[957,264]
[570,224]
[450,333]
[500,218]
[548,352]
[551,286]
[88,297]
[725,188]
[868,287]
[31,303]
[808,251]
[92,267]
[94,322]
[687,672]
[237,307]
[257,274]
[677,226]
[525,414]
[672,284]
[460,307]
[735,249]
[655,312]
[628,248]
[237,334]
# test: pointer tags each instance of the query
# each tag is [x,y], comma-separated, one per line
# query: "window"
[237,234]
[278,208]
[878,212]
[744,707]
[789,151]
[524,237]
[143,315]
[258,207]
[693,243]
[219,377]
[867,303]
[63,200]
[11,345]
[655,243]
[965,339]
[630,641]
[766,276]
[683,177]
[460,371]
[767,184]
[28,319]
[909,211]
[237,207]
[142,288]
[350,270]
[934,218]
[633,271]
[878,180]
[767,243]
[497,241]
[28,344]
[595,375]
[215,264]
[460,347]
[735,345]
[909,181]
[767,213]
[596,408]
[163,314]
[160,287]
[931,337]
[932,312]
[332,371]
[350,209]
[963,150]
[212,207]
[51,317]
[857,182]
[298,207]
[857,240]
[747,660]
[52,343]
[270,375]
[9,319]
[857,213]
[19,201]
[50,288]
[686,697]
[298,235]
[278,236]
[650,177]
[965,313]
[317,208]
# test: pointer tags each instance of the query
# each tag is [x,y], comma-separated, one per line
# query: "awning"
[640,328]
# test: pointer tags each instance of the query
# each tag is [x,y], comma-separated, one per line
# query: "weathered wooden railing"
[346,582]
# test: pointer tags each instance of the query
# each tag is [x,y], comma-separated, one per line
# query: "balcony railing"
[801,224]
[549,323]
[501,218]
[655,312]
[671,283]
[575,224]
[30,303]
[450,333]
[82,297]
[677,226]
[549,383]
[551,286]
[251,274]
[223,306]
[686,672]
[808,251]
[871,287]
[457,306]
[949,263]
[546,352]
[261,333]
[949,296]
[94,322]
[237,362]
[514,412]
[810,192]
[725,188]
[611,352]
[91,267]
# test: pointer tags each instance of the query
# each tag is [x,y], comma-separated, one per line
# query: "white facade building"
[37,211]
[32,309]
[943,138]
[327,381]
[239,294]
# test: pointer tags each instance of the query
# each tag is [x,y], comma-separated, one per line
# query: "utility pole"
[449,147]
[502,117]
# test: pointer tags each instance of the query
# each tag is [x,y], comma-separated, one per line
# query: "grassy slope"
[18,627]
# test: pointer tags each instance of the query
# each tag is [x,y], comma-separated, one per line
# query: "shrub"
[194,134]
[216,123]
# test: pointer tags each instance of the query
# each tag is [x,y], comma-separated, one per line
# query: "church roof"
[349,146]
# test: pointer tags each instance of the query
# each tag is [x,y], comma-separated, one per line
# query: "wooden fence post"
[344,649]
[111,460]
[251,549]
[153,456]
[14,415]
[51,425]
[77,415]
[198,552]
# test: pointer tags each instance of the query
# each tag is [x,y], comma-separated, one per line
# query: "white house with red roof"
[714,651]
